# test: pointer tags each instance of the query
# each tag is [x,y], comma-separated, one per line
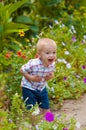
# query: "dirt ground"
[76,109]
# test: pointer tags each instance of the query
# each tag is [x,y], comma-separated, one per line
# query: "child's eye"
[47,52]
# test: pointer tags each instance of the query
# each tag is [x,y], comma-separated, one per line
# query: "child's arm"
[50,76]
[33,78]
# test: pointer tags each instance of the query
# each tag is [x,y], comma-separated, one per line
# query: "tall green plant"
[7,26]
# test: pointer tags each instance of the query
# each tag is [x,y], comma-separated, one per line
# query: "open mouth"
[50,60]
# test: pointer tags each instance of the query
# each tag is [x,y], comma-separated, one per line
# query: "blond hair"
[43,42]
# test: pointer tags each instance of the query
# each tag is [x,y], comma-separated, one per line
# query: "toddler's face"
[48,54]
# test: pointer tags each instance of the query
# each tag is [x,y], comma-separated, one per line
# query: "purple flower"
[83,42]
[73,39]
[83,67]
[65,128]
[84,80]
[49,116]
[65,78]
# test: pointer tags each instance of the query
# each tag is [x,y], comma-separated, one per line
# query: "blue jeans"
[31,97]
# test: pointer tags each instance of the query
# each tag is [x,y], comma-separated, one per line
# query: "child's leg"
[28,97]
[44,101]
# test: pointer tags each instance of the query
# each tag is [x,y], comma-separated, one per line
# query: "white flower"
[72,27]
[37,127]
[10,120]
[59,60]
[64,61]
[70,31]
[78,76]
[36,112]
[53,96]
[68,65]
[67,52]
[72,84]
[63,44]
[50,26]
[74,31]
[55,127]
[56,21]
[78,125]
[52,89]
[16,94]
[84,36]
[63,25]
[47,86]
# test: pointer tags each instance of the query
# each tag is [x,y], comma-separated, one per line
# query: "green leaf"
[23,19]
[1,28]
[34,28]
[15,6]
[7,10]
[14,47]
[14,27]
[44,17]
[54,2]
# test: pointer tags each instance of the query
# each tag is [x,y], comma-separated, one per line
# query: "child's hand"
[35,78]
[50,76]
[31,78]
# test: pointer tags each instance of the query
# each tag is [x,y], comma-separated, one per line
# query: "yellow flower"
[57,68]
[64,49]
[21,33]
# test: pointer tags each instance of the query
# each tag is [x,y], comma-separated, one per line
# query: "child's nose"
[51,55]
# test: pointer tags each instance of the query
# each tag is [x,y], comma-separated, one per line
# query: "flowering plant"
[56,122]
[70,73]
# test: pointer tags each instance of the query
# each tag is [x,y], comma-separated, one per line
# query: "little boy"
[36,72]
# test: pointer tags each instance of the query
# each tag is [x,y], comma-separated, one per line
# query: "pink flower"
[65,128]
[49,116]
[65,78]
[84,80]
[73,39]
[83,67]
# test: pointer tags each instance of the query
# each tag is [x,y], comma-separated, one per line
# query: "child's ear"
[37,55]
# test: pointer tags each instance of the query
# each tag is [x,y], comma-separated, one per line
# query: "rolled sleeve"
[26,68]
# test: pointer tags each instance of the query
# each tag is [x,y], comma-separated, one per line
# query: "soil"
[76,109]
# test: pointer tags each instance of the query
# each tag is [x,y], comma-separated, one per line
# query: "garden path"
[76,109]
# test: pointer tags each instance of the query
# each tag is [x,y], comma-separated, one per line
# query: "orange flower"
[19,53]
[21,33]
[8,55]
[24,57]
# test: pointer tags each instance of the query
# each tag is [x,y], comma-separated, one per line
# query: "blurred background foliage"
[32,15]
[21,25]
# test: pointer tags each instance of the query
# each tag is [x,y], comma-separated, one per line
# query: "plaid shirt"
[35,67]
